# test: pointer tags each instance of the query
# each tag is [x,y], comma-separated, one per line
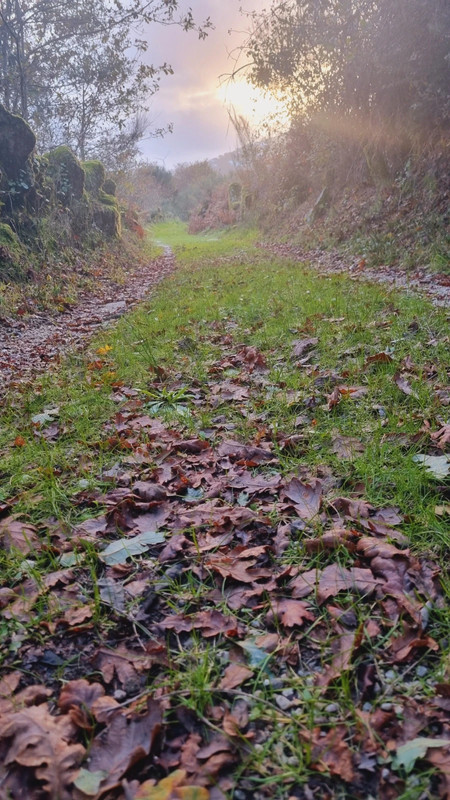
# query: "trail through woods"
[232,584]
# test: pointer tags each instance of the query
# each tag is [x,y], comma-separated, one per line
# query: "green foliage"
[7,236]
[377,61]
[77,69]
[193,185]
[12,254]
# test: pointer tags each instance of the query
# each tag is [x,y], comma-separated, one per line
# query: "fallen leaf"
[442,436]
[89,782]
[331,753]
[334,398]
[404,385]
[301,346]
[211,622]
[17,535]
[289,612]
[306,497]
[383,358]
[149,492]
[119,551]
[332,580]
[236,451]
[407,754]
[34,738]
[235,675]
[123,743]
[253,484]
[173,787]
[347,447]
[237,719]
[438,466]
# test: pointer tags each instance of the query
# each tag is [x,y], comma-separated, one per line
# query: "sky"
[195,99]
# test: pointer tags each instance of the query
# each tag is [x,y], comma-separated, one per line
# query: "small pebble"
[391,675]
[331,708]
[282,702]
[398,710]
[421,671]
[119,695]
[386,706]
[289,693]
[277,683]
[239,795]
[367,707]
[385,773]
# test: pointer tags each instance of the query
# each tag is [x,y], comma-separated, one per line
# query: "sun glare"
[256,106]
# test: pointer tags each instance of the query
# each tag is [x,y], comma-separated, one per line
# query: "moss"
[67,173]
[107,199]
[94,176]
[7,236]
[106,217]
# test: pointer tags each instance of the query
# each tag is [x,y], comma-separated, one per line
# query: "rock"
[112,310]
[106,215]
[17,142]
[94,172]
[421,671]
[109,187]
[67,173]
[282,702]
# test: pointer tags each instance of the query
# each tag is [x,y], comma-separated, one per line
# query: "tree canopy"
[74,69]
[378,58]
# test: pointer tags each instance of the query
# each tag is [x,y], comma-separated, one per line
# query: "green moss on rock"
[67,173]
[94,176]
[107,199]
[106,218]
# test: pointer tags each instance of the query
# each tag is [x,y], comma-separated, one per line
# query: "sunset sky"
[193,99]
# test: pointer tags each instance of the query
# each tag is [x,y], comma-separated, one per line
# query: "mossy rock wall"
[67,173]
[107,219]
[53,200]
[94,176]
[17,142]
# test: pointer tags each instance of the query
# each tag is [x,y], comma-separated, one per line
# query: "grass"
[227,295]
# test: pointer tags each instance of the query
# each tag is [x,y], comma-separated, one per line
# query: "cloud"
[189,98]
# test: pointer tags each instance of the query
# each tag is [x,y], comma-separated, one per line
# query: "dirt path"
[29,345]
[435,286]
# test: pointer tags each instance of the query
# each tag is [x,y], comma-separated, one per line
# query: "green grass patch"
[338,411]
